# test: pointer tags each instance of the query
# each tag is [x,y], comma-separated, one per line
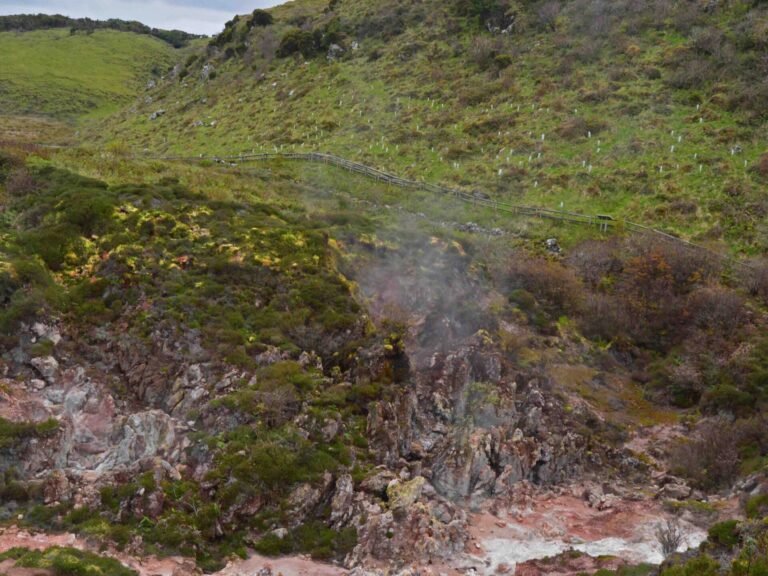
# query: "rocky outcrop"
[415,525]
[475,428]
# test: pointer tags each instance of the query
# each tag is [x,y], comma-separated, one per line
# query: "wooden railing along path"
[603,222]
[478,198]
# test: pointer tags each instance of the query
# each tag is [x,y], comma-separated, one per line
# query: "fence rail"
[478,198]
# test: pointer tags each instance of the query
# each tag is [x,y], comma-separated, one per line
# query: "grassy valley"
[64,76]
[213,359]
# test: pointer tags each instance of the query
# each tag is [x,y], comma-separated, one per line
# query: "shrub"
[21,182]
[297,42]
[701,566]
[483,51]
[66,562]
[727,398]
[757,506]
[710,459]
[724,534]
[272,545]
[597,262]
[605,318]
[717,309]
[669,536]
[260,18]
[547,14]
[12,432]
[553,285]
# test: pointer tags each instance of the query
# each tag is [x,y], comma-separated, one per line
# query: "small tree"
[260,18]
[669,536]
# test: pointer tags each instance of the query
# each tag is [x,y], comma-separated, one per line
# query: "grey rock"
[47,367]
[47,331]
[341,503]
[675,491]
[205,73]
[551,245]
[335,52]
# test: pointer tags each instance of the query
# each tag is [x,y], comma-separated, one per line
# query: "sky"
[196,16]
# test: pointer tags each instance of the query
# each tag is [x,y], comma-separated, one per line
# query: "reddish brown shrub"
[554,286]
[596,261]
[20,182]
[605,318]
[718,309]
[710,459]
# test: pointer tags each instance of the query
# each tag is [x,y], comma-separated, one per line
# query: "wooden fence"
[603,222]
[600,221]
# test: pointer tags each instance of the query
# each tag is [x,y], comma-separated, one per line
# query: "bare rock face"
[341,504]
[378,483]
[47,331]
[56,488]
[401,495]
[416,525]
[475,428]
[47,367]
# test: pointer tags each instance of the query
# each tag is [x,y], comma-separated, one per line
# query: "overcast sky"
[197,16]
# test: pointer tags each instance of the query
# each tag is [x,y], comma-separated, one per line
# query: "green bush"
[728,398]
[271,545]
[67,562]
[12,432]
[297,42]
[724,534]
[757,506]
[260,18]
[701,566]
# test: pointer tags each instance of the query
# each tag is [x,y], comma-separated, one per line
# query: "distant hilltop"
[29,22]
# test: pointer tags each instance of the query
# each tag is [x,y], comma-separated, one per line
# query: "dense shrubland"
[208,261]
[248,277]
[690,337]
[66,562]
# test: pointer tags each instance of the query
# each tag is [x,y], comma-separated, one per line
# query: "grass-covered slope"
[57,74]
[652,111]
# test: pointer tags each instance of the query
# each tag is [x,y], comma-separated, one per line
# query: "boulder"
[47,367]
[378,483]
[341,503]
[47,331]
[206,72]
[675,491]
[334,52]
[401,495]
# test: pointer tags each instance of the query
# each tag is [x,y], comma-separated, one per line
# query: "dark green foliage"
[155,251]
[297,42]
[13,432]
[641,570]
[701,566]
[757,506]
[310,43]
[27,22]
[260,18]
[67,562]
[313,538]
[724,534]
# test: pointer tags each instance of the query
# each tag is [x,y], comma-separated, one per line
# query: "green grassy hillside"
[53,73]
[653,112]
